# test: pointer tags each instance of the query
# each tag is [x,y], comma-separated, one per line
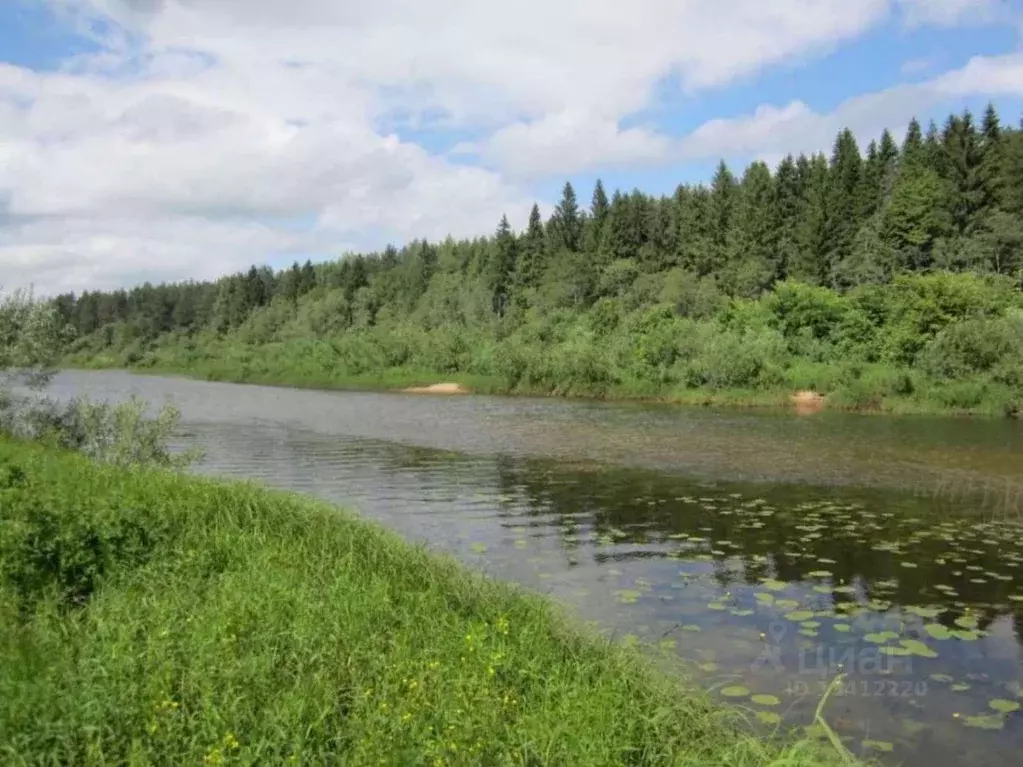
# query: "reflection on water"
[769,552]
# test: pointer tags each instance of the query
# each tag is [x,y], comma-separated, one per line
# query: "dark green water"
[768,552]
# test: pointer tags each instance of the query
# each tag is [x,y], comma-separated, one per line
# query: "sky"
[185,139]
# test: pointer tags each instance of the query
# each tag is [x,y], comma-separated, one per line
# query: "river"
[766,552]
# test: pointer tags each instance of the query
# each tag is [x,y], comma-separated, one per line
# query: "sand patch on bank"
[807,401]
[437,388]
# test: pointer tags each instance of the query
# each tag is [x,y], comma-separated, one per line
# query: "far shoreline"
[804,402]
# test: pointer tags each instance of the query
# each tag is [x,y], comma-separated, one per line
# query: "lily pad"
[937,631]
[691,627]
[940,677]
[768,717]
[773,585]
[986,722]
[879,745]
[766,700]
[479,548]
[1003,705]
[764,598]
[844,628]
[735,691]
[819,574]
[925,612]
[799,616]
[959,687]
[743,613]
[786,604]
[717,606]
[966,636]
[628,596]
[919,648]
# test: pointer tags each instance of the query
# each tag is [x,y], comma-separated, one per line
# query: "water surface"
[767,551]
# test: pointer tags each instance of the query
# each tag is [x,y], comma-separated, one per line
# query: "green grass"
[154,618]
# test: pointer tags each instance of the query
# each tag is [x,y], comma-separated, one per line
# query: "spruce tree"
[788,206]
[531,261]
[913,144]
[992,162]
[961,166]
[593,240]
[502,265]
[754,233]
[811,263]
[566,223]
[723,194]
[844,202]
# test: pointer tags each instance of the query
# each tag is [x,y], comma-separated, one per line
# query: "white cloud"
[176,150]
[951,12]
[771,132]
[570,141]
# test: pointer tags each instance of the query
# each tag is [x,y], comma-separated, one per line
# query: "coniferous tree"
[811,259]
[961,163]
[502,266]
[566,223]
[754,234]
[845,201]
[788,206]
[531,262]
[723,196]
[596,225]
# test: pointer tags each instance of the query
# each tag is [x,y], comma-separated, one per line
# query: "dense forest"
[885,278]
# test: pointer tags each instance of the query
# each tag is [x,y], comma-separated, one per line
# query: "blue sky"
[182,139]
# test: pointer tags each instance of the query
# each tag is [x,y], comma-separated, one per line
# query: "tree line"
[948,198]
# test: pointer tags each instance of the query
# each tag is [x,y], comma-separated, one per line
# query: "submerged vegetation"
[150,617]
[884,280]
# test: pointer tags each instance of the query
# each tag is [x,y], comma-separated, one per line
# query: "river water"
[766,551]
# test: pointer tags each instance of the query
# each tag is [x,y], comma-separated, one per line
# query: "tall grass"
[147,617]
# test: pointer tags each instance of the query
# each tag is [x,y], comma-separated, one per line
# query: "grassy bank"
[868,394]
[152,618]
[938,343]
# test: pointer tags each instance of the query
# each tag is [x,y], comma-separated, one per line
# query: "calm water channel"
[768,551]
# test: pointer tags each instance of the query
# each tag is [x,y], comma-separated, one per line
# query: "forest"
[885,278]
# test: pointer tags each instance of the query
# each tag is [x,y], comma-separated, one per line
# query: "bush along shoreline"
[147,616]
[941,344]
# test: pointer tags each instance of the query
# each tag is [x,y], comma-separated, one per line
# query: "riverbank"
[147,615]
[799,395]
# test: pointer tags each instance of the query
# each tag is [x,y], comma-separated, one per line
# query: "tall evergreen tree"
[992,162]
[566,223]
[502,266]
[531,261]
[789,203]
[961,163]
[754,233]
[593,240]
[913,144]
[811,262]
[723,195]
[845,202]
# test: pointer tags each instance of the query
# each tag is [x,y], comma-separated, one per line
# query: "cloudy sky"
[169,139]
